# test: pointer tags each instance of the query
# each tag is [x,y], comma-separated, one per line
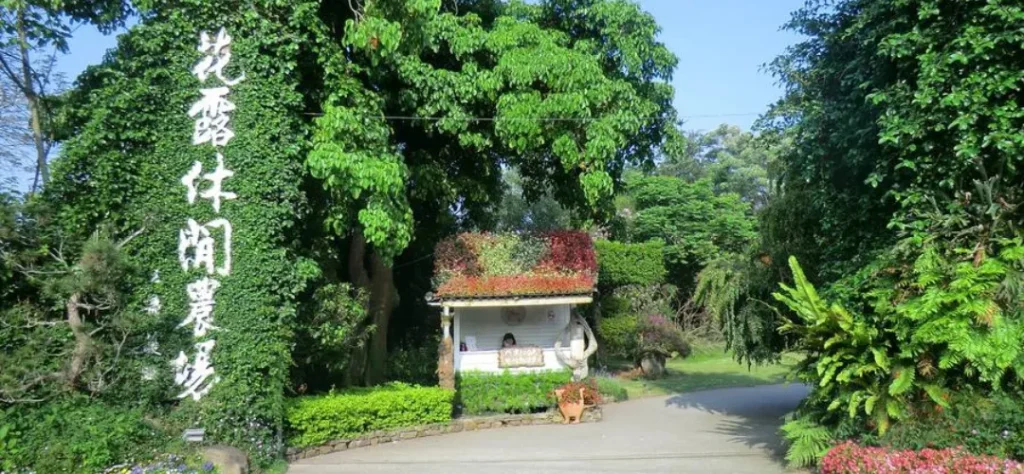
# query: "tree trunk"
[360,278]
[35,109]
[368,363]
[82,340]
[382,289]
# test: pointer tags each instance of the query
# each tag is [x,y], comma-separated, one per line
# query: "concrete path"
[730,431]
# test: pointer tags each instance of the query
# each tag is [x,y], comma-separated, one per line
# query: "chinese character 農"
[200,303]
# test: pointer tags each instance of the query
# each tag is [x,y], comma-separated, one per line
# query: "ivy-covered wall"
[130,144]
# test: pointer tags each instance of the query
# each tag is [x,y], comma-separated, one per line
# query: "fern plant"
[808,441]
[918,328]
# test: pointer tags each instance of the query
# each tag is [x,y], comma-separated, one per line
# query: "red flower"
[849,458]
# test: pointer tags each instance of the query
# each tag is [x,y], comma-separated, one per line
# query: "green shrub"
[991,425]
[316,420]
[617,335]
[622,264]
[75,435]
[415,364]
[611,389]
[485,393]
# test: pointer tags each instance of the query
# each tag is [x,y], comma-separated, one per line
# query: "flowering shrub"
[849,458]
[660,336]
[485,264]
[170,464]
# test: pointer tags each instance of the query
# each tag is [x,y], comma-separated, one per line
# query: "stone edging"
[592,414]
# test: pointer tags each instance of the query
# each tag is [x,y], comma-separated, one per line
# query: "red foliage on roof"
[478,265]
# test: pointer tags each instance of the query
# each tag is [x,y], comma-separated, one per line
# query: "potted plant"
[658,338]
[575,397]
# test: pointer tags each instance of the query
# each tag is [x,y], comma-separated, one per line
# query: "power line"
[414,118]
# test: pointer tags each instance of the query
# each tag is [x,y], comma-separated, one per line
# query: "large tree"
[435,99]
[32,33]
[733,160]
[695,224]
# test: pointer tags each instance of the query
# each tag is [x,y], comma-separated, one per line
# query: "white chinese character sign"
[204,249]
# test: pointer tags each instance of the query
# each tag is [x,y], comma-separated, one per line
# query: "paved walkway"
[730,431]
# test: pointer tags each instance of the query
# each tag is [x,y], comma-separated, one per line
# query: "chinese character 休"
[216,177]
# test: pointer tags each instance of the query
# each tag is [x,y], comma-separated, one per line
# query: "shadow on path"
[752,415]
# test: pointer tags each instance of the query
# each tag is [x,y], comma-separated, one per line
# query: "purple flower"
[208,466]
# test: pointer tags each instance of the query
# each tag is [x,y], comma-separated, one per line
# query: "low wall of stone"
[455,426]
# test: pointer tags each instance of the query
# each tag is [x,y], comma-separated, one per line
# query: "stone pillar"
[446,353]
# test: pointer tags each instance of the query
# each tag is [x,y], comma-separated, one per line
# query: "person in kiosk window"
[508,340]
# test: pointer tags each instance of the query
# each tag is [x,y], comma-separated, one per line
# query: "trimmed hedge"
[621,264]
[316,420]
[481,393]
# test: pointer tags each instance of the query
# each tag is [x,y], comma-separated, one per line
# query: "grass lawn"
[708,368]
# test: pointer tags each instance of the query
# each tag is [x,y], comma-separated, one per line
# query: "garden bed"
[457,425]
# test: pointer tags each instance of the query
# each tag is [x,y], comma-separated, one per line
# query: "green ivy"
[129,144]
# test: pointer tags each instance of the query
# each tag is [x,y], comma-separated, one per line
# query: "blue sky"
[721,45]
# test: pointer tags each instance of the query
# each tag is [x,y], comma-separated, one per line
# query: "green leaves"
[808,442]
[903,380]
[316,420]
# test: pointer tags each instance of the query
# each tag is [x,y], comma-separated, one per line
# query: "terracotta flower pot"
[571,411]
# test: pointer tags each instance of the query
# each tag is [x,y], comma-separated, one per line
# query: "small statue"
[579,350]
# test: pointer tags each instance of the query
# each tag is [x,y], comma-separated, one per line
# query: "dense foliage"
[485,264]
[993,425]
[900,197]
[695,224]
[734,162]
[482,393]
[622,264]
[636,322]
[75,435]
[315,420]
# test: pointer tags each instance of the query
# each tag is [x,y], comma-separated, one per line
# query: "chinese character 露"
[212,124]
